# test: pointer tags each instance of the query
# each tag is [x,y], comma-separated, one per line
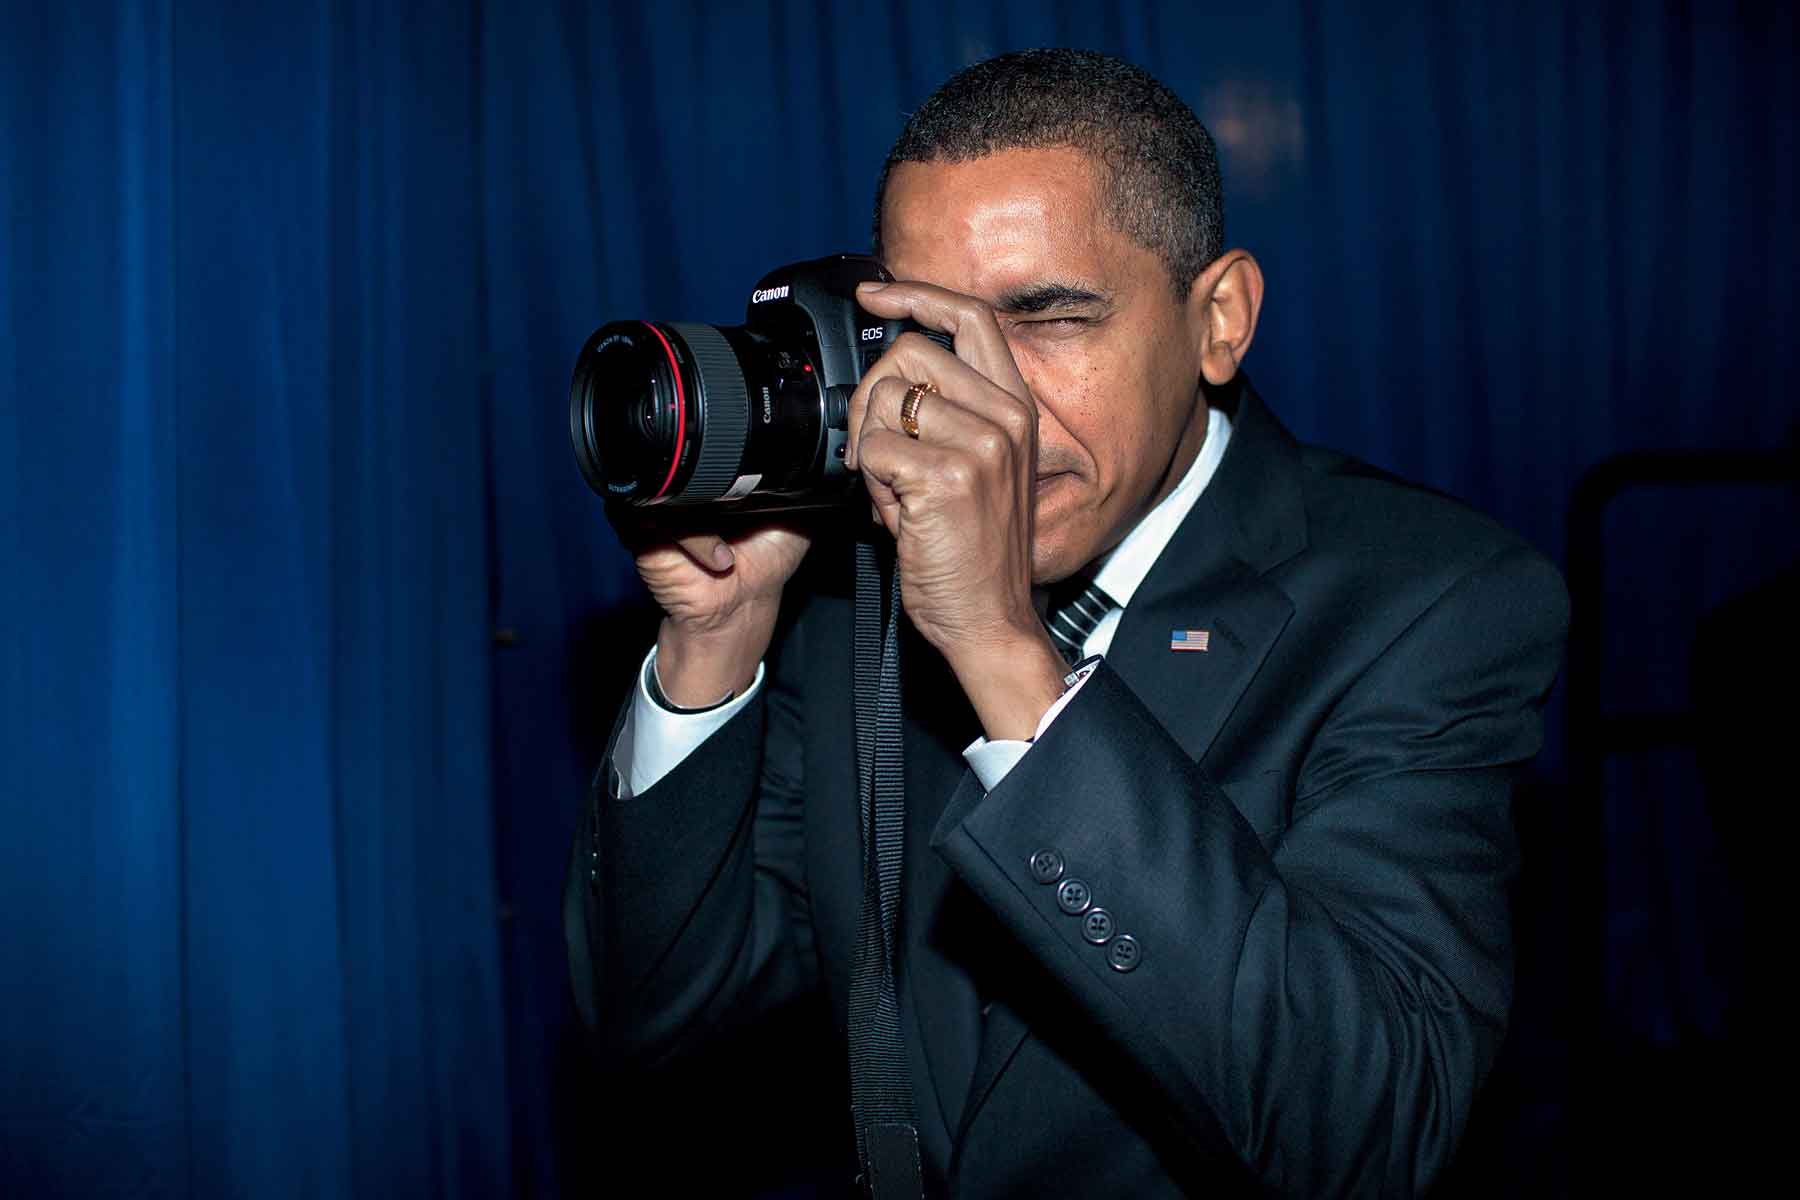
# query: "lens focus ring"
[727,412]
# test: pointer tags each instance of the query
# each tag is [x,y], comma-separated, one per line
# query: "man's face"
[1111,357]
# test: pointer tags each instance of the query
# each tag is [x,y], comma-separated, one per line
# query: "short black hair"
[1159,168]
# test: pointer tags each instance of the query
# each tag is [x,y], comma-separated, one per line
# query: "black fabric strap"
[881,1102]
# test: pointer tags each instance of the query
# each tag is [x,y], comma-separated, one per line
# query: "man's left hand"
[960,498]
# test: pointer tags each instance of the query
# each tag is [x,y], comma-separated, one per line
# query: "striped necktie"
[1076,610]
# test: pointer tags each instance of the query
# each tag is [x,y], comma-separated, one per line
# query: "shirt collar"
[1124,568]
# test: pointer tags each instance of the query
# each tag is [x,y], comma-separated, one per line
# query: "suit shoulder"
[1371,525]
[1361,508]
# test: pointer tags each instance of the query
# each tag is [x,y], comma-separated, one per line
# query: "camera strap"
[881,1101]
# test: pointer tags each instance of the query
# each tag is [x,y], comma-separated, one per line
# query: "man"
[1223,910]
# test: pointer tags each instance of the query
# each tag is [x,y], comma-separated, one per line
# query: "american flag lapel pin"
[1189,639]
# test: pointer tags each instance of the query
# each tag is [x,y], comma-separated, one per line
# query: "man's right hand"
[720,596]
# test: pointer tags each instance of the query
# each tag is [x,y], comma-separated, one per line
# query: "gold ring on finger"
[909,408]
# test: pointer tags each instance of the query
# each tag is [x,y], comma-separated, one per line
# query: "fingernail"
[870,286]
[722,556]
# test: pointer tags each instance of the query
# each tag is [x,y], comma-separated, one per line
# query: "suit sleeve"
[1323,1007]
[684,908]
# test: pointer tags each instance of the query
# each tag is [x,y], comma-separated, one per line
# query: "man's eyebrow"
[1045,297]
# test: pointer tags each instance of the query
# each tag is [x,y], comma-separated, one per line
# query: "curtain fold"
[247,687]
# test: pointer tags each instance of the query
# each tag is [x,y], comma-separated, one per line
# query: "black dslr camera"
[749,417]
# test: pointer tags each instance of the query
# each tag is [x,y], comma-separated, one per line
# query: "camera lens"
[658,412]
[648,408]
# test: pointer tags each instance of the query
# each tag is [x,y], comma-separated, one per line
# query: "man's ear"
[1222,307]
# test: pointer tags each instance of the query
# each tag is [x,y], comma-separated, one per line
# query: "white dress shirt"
[654,740]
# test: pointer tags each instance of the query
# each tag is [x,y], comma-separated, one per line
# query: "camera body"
[750,417]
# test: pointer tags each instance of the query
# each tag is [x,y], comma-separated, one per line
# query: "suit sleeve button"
[1123,955]
[1046,866]
[1073,897]
[1097,926]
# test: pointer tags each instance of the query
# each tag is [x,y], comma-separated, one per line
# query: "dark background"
[309,628]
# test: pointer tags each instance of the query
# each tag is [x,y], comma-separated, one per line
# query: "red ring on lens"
[680,408]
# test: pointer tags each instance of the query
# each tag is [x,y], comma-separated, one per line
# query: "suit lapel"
[1193,692]
[1210,577]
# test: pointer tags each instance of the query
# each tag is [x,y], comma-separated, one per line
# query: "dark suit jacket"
[1306,829]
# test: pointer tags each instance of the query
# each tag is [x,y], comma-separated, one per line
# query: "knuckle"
[912,342]
[958,475]
[991,446]
[1017,420]
[872,451]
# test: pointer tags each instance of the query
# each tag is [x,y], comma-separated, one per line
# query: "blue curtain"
[252,942]
[309,623]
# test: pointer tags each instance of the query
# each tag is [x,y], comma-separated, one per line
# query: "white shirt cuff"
[655,741]
[991,761]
